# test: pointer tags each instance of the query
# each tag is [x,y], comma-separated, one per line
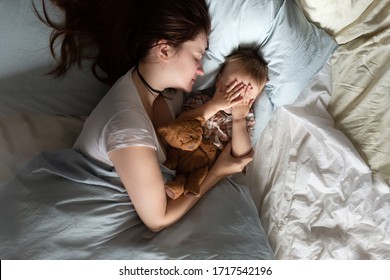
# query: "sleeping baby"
[227,107]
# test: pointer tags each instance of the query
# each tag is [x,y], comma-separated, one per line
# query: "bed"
[319,184]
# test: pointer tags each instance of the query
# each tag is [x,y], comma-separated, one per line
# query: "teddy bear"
[187,153]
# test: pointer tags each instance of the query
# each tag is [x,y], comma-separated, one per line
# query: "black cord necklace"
[153,91]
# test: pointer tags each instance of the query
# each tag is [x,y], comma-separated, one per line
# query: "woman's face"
[187,63]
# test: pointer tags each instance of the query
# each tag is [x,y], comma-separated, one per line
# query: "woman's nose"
[199,70]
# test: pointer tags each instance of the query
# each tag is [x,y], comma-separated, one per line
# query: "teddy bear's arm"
[172,158]
[175,188]
[194,179]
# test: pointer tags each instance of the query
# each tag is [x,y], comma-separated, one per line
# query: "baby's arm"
[241,140]
[221,100]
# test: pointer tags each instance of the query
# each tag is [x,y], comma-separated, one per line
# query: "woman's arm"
[140,173]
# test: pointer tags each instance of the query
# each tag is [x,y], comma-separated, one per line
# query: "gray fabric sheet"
[63,206]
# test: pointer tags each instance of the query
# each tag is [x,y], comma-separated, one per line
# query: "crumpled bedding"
[64,206]
[360,98]
[24,135]
[316,196]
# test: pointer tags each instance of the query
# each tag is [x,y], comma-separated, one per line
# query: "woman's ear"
[163,50]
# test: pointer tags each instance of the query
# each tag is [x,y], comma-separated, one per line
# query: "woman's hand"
[227,165]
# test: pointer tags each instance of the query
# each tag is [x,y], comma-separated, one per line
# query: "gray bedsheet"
[63,206]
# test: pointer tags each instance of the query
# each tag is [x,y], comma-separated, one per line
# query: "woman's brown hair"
[117,34]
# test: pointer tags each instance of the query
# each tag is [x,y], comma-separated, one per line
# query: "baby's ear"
[251,102]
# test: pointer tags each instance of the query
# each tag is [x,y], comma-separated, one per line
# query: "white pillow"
[334,15]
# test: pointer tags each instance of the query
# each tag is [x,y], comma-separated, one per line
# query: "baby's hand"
[241,110]
[229,97]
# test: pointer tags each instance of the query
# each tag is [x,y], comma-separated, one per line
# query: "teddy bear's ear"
[162,130]
[201,120]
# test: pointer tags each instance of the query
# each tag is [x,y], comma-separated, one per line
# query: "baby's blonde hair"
[251,64]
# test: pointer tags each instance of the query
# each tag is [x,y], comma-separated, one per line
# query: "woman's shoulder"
[120,102]
[122,94]
[124,84]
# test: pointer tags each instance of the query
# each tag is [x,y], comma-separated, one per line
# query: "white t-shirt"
[119,121]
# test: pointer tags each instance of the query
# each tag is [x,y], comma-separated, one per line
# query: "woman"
[150,46]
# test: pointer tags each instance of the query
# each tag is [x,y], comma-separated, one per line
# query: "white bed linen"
[316,197]
[361,74]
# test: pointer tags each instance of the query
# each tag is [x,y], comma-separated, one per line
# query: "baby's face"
[232,73]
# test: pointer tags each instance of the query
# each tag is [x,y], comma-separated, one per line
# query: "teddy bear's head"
[183,134]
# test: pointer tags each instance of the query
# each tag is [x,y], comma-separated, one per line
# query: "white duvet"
[316,197]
